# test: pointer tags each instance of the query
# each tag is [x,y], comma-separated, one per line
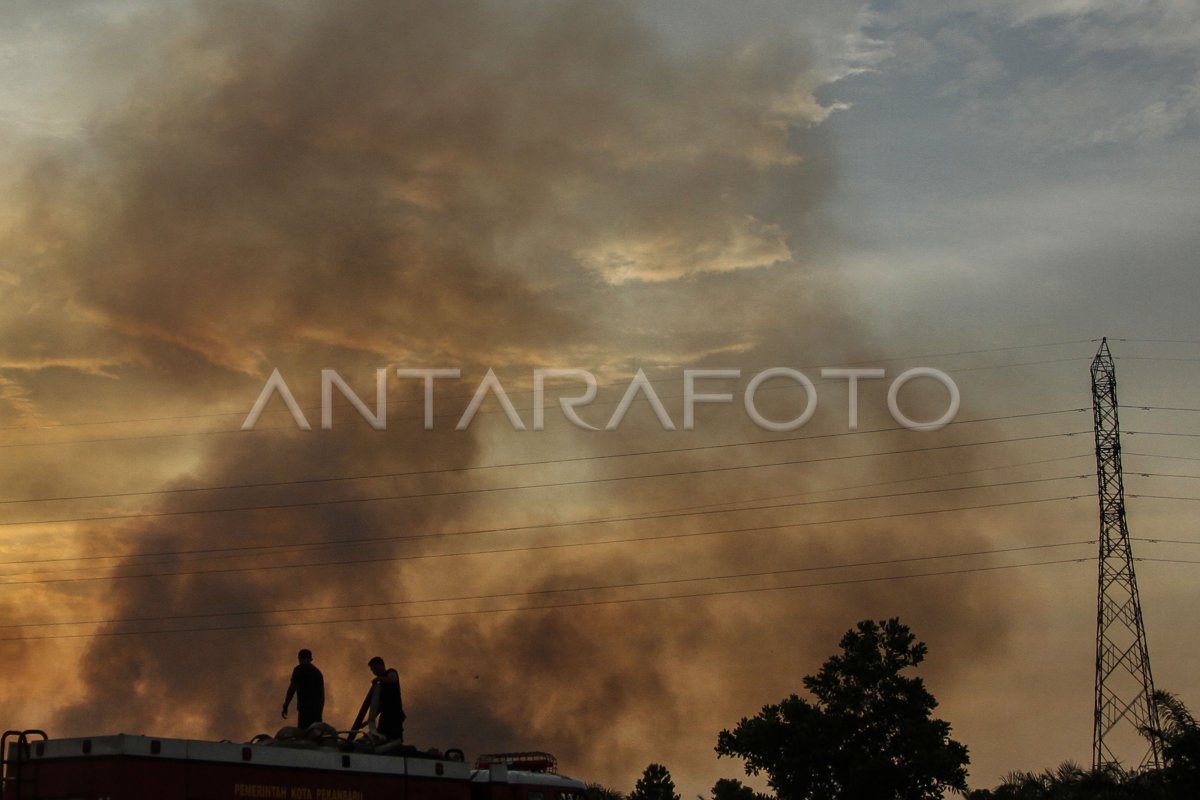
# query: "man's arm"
[376,693]
[287,701]
[362,711]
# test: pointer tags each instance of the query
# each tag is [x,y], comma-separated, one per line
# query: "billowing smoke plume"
[369,185]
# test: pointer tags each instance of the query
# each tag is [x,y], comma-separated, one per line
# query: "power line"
[536,592]
[1158,341]
[1157,358]
[716,511]
[1164,497]
[1161,475]
[483,490]
[720,505]
[1173,458]
[578,604]
[653,514]
[540,462]
[1021,364]
[1157,540]
[1162,433]
[533,548]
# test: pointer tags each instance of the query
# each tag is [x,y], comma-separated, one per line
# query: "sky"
[199,194]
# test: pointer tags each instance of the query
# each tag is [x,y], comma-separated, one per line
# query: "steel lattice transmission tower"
[1124,686]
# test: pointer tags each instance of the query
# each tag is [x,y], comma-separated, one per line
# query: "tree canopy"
[1178,734]
[655,784]
[598,791]
[869,733]
[733,789]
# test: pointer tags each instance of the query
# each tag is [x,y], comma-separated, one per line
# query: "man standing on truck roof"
[308,685]
[382,703]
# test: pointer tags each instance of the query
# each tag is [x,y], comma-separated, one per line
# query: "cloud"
[1042,79]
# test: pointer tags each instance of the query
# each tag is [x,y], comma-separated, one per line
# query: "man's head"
[304,655]
[377,666]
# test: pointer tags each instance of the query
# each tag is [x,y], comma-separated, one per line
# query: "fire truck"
[128,767]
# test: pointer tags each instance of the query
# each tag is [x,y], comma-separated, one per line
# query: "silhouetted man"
[382,709]
[308,686]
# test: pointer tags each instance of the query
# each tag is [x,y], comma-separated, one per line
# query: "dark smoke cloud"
[477,185]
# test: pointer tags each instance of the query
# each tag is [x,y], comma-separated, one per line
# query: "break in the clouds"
[1025,161]
[1051,77]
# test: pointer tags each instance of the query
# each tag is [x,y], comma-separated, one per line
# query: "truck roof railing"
[530,761]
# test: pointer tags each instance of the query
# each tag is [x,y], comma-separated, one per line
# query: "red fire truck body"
[126,767]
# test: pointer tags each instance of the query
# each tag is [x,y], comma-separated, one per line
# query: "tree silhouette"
[733,789]
[1178,734]
[597,791]
[655,784]
[1068,782]
[869,735]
